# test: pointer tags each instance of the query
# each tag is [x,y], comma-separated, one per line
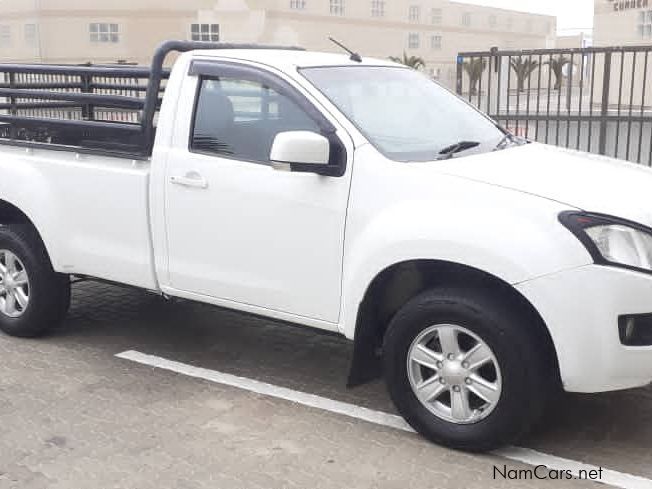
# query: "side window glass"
[240,119]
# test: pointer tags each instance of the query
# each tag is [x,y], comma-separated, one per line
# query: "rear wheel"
[463,369]
[33,297]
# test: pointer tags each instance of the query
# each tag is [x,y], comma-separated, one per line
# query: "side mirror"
[300,151]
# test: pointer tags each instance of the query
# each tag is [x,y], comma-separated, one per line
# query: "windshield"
[404,114]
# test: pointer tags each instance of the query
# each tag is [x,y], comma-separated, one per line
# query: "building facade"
[622,22]
[571,41]
[625,23]
[74,31]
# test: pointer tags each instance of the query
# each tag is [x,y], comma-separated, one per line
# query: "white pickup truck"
[479,273]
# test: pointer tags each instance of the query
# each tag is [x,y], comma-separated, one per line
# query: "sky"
[571,14]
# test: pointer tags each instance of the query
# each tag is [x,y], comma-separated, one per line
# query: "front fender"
[513,239]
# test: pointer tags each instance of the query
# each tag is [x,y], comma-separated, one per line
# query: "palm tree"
[474,69]
[413,62]
[557,67]
[523,69]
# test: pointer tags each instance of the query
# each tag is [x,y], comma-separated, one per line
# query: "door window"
[240,118]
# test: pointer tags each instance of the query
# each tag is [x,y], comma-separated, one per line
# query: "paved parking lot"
[73,416]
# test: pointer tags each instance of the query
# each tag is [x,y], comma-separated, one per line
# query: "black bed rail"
[117,101]
[107,109]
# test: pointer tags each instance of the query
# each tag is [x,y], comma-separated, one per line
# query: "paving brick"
[72,416]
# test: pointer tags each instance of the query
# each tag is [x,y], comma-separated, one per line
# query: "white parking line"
[523,455]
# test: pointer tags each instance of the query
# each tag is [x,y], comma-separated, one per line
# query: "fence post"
[606,86]
[493,63]
[460,74]
[88,111]
[569,94]
[13,104]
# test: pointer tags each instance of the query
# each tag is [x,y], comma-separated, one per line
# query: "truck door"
[238,229]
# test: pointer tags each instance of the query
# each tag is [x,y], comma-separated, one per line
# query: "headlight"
[612,241]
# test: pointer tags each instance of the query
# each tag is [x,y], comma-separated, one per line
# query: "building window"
[378,8]
[436,16]
[107,33]
[435,42]
[466,19]
[413,41]
[415,13]
[31,34]
[205,32]
[435,73]
[645,24]
[5,35]
[528,26]
[297,4]
[337,7]
[493,21]
[509,24]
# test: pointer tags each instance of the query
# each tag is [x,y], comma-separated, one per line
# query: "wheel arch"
[394,286]
[12,214]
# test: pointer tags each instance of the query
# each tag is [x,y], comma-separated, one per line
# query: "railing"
[73,96]
[108,109]
[74,105]
[593,99]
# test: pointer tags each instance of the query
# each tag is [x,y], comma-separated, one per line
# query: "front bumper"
[581,309]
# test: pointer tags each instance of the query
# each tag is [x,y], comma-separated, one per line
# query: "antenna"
[354,56]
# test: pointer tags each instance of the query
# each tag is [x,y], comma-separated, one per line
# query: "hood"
[581,180]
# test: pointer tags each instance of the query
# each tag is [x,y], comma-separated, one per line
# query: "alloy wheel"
[14,285]
[454,374]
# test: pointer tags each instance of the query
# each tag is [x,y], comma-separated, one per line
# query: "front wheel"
[463,370]
[33,297]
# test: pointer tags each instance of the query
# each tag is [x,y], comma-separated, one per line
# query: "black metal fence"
[593,99]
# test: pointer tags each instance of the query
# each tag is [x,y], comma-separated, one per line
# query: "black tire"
[49,292]
[522,363]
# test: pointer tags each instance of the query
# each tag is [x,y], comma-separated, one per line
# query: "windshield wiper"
[450,151]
